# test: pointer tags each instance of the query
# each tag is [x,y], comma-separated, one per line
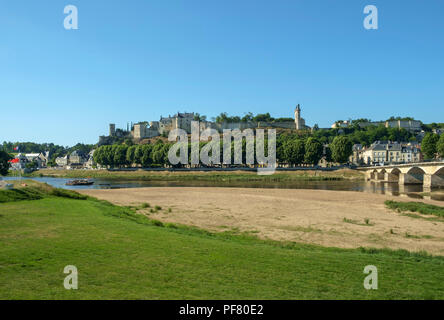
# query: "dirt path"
[329,218]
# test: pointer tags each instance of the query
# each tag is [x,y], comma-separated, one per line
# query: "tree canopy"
[341,149]
[4,164]
[429,145]
[440,146]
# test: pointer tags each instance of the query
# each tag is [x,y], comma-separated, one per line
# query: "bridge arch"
[392,174]
[414,175]
[379,174]
[394,171]
[436,179]
[439,171]
[416,171]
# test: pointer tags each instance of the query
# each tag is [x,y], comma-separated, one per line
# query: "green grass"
[215,176]
[20,194]
[423,208]
[123,255]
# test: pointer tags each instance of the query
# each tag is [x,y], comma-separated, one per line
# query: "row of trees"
[310,150]
[432,145]
[123,155]
[293,150]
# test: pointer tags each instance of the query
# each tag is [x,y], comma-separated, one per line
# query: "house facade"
[386,152]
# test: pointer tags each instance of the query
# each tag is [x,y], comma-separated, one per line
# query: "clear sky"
[136,60]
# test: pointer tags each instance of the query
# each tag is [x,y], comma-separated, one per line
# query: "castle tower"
[112,129]
[297,117]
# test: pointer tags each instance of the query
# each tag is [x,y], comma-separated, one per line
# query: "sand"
[308,216]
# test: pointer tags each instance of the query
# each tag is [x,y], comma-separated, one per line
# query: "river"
[412,191]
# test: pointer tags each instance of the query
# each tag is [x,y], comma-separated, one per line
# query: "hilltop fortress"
[144,129]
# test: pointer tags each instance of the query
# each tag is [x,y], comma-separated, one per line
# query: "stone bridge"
[429,174]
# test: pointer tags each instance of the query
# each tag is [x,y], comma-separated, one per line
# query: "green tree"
[131,154]
[98,154]
[4,164]
[440,146]
[120,155]
[328,156]
[138,154]
[146,155]
[104,155]
[294,151]
[341,149]
[31,165]
[428,145]
[313,151]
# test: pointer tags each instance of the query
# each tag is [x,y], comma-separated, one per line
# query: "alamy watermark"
[371,20]
[371,281]
[71,280]
[210,153]
[71,21]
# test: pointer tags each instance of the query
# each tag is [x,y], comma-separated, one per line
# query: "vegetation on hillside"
[249,117]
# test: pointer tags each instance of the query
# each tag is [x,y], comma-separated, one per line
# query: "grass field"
[123,255]
[304,175]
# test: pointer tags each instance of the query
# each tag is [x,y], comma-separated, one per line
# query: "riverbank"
[300,175]
[329,218]
[121,254]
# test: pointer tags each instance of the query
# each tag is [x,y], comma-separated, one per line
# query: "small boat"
[79,182]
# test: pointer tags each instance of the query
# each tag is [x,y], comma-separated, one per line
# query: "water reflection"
[392,189]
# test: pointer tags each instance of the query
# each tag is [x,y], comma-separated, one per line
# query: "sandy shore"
[309,216]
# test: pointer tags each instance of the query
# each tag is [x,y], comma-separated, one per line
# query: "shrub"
[157,223]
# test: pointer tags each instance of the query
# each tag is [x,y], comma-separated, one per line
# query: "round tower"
[297,117]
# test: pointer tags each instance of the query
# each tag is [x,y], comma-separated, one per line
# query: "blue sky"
[136,60]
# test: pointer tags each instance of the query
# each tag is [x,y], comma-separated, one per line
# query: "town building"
[409,125]
[22,159]
[77,160]
[386,152]
[62,161]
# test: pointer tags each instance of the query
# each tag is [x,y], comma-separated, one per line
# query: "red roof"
[16,160]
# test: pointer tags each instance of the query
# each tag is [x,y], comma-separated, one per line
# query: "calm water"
[413,191]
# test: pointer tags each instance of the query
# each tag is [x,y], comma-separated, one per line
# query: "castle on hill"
[144,129]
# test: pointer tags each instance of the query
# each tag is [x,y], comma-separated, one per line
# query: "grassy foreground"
[302,175]
[122,255]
